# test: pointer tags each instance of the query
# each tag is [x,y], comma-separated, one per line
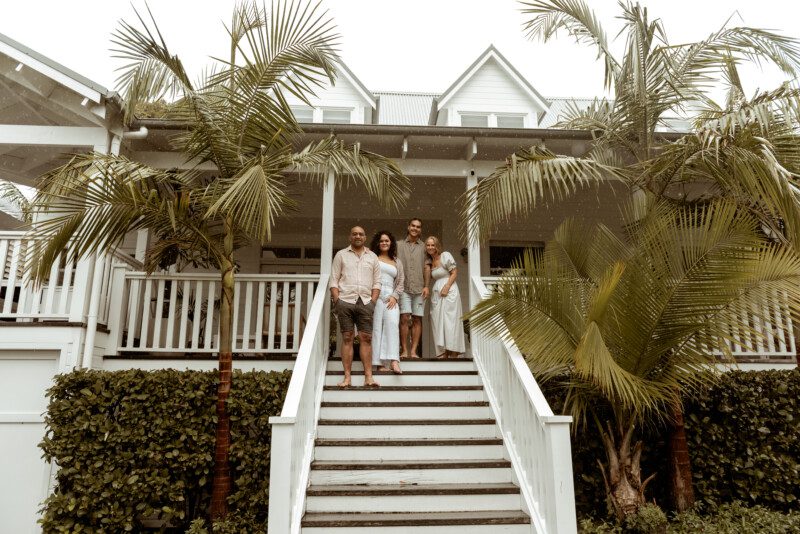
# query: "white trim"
[491,54]
[17,134]
[50,72]
[21,417]
[355,83]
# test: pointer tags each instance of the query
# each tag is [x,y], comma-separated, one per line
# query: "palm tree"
[652,82]
[237,118]
[629,324]
[15,201]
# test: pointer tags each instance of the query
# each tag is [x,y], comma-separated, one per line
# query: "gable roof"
[365,93]
[52,69]
[492,53]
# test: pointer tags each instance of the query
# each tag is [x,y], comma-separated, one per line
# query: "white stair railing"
[537,440]
[294,431]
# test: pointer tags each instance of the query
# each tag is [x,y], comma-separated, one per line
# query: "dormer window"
[510,121]
[336,116]
[492,120]
[475,120]
[303,114]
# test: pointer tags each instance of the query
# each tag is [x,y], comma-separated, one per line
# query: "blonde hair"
[436,244]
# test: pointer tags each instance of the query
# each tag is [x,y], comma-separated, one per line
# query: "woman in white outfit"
[386,320]
[448,332]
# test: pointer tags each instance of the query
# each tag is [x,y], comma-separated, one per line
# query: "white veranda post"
[473,246]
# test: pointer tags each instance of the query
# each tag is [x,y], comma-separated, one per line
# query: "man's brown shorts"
[358,314]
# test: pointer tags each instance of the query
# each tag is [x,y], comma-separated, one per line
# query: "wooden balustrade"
[180,312]
[537,440]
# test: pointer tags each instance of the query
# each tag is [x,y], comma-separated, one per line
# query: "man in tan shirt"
[411,253]
[355,287]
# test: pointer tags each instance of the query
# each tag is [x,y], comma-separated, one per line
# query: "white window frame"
[302,108]
[492,117]
[319,112]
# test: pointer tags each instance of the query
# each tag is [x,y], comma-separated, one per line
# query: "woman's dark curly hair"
[374,246]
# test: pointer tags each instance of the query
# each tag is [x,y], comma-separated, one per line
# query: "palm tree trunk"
[622,475]
[680,465]
[221,488]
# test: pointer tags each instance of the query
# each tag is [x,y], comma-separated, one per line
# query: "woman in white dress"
[448,332]
[386,320]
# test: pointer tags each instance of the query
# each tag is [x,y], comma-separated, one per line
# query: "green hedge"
[743,439]
[139,444]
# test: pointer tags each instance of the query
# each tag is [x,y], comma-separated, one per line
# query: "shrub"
[649,519]
[742,432]
[139,444]
[743,439]
[735,518]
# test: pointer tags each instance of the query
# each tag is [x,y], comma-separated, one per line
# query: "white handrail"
[538,441]
[294,431]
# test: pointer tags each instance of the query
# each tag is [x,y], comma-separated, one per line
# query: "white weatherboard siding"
[491,90]
[24,475]
[341,96]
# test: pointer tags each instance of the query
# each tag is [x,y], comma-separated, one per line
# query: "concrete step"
[346,450]
[407,429]
[411,378]
[405,410]
[496,522]
[404,394]
[420,364]
[405,472]
[414,498]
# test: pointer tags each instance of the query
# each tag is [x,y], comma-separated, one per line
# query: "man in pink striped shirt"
[355,287]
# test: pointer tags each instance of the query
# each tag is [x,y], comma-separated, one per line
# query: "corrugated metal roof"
[559,106]
[403,108]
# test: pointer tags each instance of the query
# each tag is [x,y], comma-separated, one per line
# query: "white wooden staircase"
[465,445]
[423,453]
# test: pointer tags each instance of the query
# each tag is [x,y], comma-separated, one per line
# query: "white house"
[478,443]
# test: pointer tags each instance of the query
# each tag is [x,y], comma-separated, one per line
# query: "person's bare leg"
[416,335]
[405,318]
[365,341]
[347,358]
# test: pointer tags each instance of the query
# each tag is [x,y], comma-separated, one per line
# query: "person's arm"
[376,280]
[450,281]
[399,286]
[336,272]
[426,280]
[450,264]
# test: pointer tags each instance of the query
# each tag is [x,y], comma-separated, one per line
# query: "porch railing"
[294,431]
[180,312]
[537,440]
[64,295]
[764,334]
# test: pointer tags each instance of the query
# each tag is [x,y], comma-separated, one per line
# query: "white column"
[326,239]
[142,242]
[280,475]
[473,248]
[95,274]
[560,513]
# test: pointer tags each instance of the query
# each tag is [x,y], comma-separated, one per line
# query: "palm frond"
[577,20]
[17,204]
[152,71]
[529,176]
[380,177]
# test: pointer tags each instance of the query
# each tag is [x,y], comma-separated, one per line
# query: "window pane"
[303,114]
[336,116]
[502,257]
[510,121]
[475,121]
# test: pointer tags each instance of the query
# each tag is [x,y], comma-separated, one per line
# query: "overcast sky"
[414,45]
